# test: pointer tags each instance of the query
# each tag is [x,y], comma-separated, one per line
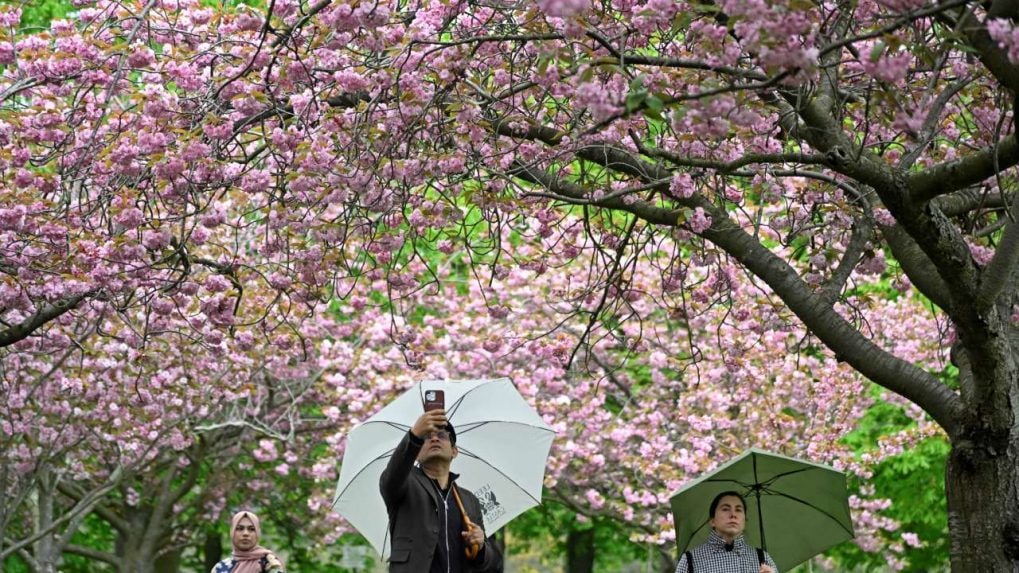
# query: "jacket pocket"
[401,549]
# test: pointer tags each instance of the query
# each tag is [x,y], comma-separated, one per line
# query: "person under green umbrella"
[726,551]
[793,508]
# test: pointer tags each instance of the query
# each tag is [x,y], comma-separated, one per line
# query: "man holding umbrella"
[726,551]
[435,526]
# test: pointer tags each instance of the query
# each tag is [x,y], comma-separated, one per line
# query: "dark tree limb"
[863,229]
[45,314]
[999,272]
[93,554]
[832,329]
[967,200]
[969,170]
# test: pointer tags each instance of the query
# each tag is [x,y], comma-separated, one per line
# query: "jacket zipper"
[445,528]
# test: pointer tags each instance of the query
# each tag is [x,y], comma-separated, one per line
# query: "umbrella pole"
[760,521]
[760,514]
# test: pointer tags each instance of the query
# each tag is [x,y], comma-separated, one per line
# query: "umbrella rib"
[500,472]
[742,484]
[475,425]
[810,505]
[452,410]
[760,515]
[390,423]
[694,534]
[777,477]
[363,469]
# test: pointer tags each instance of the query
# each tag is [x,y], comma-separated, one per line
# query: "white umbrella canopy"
[503,445]
[795,508]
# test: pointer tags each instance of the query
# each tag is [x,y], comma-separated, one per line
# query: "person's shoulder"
[419,474]
[417,481]
[701,550]
[464,492]
[224,566]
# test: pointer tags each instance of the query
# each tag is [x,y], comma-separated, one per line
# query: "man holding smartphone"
[427,526]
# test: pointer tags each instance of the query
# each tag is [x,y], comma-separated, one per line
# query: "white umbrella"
[503,446]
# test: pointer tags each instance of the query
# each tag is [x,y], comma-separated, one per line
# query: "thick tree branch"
[917,265]
[286,111]
[967,200]
[45,314]
[960,358]
[994,58]
[843,339]
[114,520]
[84,504]
[93,554]
[832,329]
[828,87]
[25,555]
[999,272]
[862,231]
[963,172]
[930,124]
[928,228]
[725,167]
[903,21]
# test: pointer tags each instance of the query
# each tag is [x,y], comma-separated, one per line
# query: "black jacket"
[413,502]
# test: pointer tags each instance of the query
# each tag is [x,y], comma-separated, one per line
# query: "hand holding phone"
[434,417]
[435,400]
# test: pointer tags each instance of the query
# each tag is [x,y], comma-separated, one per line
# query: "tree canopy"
[669,204]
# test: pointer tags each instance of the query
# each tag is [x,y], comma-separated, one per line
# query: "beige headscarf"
[247,561]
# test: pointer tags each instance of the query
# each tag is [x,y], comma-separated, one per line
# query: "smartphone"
[435,400]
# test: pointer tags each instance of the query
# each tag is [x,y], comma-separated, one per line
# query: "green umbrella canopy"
[795,509]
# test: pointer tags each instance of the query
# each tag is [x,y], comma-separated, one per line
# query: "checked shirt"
[713,557]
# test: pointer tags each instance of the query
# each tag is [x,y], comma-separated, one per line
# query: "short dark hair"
[452,434]
[718,499]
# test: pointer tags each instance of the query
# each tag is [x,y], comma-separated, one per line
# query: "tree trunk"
[982,487]
[666,562]
[47,553]
[135,562]
[580,551]
[169,562]
[137,547]
[212,549]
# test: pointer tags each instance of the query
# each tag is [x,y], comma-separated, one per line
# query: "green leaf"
[635,100]
[653,114]
[876,51]
[682,20]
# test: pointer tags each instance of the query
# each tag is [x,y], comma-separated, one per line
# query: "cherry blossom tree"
[94,425]
[637,416]
[232,171]
[214,438]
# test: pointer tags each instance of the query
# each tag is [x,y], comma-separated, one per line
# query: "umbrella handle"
[471,550]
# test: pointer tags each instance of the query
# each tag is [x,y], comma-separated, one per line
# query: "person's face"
[245,536]
[730,517]
[437,447]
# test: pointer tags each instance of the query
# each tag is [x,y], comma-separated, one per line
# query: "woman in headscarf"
[248,556]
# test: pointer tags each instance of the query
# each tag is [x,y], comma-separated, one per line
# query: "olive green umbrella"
[795,509]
